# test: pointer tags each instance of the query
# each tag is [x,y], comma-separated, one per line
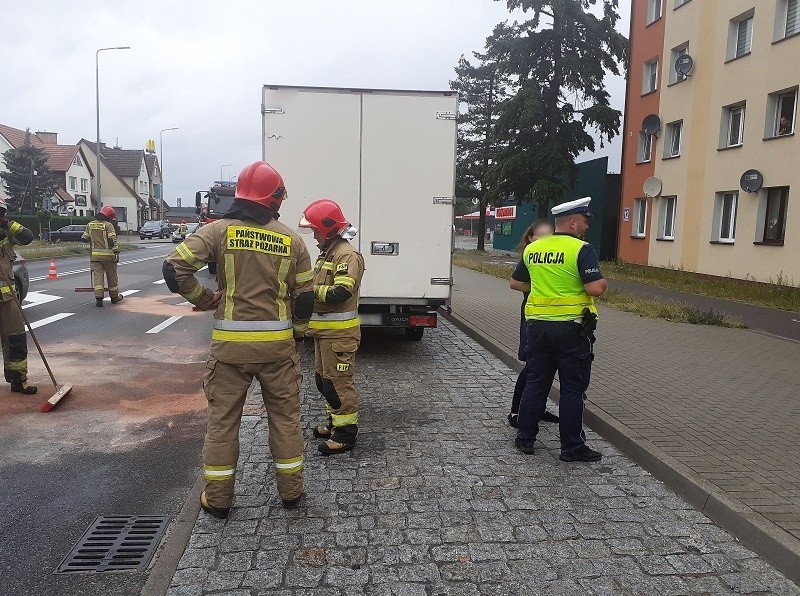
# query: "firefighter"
[264,301]
[182,229]
[101,234]
[335,325]
[12,327]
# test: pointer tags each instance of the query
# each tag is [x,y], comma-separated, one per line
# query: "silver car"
[21,276]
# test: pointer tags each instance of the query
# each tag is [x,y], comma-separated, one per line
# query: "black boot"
[23,387]
[218,512]
[98,302]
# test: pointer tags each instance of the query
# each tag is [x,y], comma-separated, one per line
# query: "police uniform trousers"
[101,269]
[226,387]
[334,365]
[15,342]
[556,346]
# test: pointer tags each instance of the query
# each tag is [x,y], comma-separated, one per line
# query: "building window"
[666,218]
[787,19]
[639,227]
[650,78]
[781,112]
[672,148]
[732,129]
[674,75]
[84,185]
[645,148]
[725,204]
[740,35]
[77,161]
[122,213]
[73,183]
[773,215]
[653,11]
[80,212]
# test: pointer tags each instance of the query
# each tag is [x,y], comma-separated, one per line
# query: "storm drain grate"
[116,543]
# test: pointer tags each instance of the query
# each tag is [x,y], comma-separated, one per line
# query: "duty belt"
[251,325]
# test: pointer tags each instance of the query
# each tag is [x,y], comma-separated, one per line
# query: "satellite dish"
[652,187]
[751,181]
[684,64]
[651,124]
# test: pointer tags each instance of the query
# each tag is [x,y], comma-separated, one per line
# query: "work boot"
[526,448]
[218,512]
[582,453]
[23,387]
[548,417]
[322,432]
[292,503]
[331,447]
[98,302]
[117,298]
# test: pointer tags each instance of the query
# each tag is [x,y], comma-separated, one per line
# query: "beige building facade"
[726,154]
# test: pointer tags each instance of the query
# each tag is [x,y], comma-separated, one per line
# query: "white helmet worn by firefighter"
[261,184]
[325,217]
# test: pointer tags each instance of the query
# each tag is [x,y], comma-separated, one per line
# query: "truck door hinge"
[265,110]
[442,200]
[446,115]
[441,281]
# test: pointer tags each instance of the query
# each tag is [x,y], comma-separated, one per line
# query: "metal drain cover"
[116,543]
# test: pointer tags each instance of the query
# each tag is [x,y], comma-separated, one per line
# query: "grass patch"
[778,293]
[502,265]
[45,250]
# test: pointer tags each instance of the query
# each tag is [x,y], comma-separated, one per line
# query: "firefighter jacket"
[339,266]
[261,270]
[11,234]
[103,238]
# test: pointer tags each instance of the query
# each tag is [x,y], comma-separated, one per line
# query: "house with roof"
[125,182]
[68,162]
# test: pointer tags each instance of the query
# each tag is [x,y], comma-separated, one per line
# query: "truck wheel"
[212,268]
[414,333]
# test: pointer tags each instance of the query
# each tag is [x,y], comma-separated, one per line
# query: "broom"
[64,389]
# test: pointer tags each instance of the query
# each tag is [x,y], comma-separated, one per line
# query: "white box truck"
[388,158]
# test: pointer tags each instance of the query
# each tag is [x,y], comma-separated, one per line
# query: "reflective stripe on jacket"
[340,265]
[103,238]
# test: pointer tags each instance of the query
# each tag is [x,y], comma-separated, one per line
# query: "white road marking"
[36,298]
[61,274]
[53,319]
[160,281]
[125,293]
[187,303]
[164,325]
[796,320]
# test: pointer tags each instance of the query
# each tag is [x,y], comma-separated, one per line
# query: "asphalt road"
[126,441]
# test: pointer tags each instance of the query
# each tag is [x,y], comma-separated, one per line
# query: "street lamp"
[225,165]
[97,90]
[161,160]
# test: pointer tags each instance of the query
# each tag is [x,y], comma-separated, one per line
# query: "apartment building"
[711,161]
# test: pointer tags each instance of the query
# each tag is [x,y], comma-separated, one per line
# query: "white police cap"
[572,208]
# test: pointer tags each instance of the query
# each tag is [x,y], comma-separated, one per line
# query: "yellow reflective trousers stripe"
[292,465]
[344,419]
[218,473]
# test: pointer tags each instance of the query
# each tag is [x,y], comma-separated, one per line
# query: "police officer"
[264,300]
[101,234]
[335,325]
[12,327]
[563,276]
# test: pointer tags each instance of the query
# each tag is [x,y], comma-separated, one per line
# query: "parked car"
[191,228]
[70,233]
[21,276]
[151,229]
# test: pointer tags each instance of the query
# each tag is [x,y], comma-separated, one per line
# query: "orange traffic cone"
[53,273]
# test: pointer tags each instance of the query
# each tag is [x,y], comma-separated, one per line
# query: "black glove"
[588,324]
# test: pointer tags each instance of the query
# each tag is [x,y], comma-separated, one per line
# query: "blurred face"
[538,232]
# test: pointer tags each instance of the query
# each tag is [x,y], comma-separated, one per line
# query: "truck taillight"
[422,321]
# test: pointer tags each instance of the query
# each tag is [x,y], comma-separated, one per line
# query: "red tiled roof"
[59,156]
[64,195]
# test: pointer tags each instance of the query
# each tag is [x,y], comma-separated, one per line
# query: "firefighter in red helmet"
[335,325]
[12,327]
[102,236]
[264,301]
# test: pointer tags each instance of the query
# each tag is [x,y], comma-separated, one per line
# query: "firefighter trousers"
[101,270]
[334,365]
[226,387]
[15,343]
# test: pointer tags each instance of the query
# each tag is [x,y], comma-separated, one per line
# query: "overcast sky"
[200,65]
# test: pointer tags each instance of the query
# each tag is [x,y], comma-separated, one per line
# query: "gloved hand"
[116,257]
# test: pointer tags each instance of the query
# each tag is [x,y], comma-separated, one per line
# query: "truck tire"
[414,333]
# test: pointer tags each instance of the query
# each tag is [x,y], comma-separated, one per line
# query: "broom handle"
[36,341]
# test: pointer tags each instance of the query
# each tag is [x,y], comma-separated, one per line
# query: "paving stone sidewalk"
[435,500]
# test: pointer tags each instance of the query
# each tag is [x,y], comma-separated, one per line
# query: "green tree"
[28,180]
[559,58]
[483,90]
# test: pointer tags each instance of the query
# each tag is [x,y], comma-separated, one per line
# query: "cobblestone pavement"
[435,500]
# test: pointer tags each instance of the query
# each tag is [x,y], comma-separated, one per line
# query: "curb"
[169,554]
[755,532]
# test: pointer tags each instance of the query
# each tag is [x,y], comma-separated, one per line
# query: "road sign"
[70,208]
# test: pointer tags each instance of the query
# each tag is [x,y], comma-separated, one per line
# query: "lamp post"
[161,161]
[97,91]
[225,165]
